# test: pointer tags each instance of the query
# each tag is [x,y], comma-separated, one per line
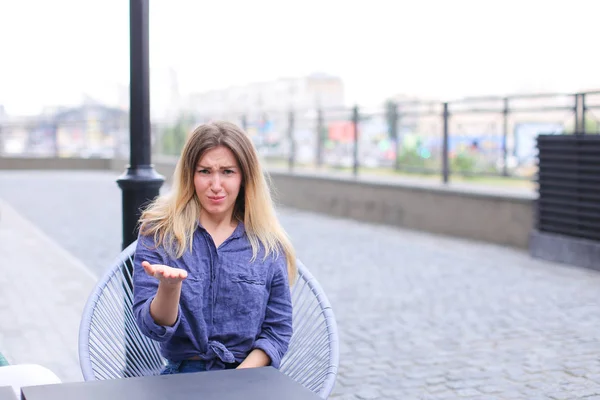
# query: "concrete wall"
[34,163]
[505,220]
[496,218]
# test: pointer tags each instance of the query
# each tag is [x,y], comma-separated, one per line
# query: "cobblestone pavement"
[420,316]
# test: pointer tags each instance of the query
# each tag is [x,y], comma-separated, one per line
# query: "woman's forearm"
[165,306]
[256,358]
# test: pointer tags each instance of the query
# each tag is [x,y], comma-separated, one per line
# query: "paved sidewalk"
[420,316]
[43,293]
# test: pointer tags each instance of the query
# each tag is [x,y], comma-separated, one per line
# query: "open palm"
[164,273]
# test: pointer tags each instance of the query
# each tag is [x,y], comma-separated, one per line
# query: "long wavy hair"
[173,218]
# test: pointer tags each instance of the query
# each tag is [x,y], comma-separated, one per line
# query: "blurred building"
[276,96]
[89,130]
[3,118]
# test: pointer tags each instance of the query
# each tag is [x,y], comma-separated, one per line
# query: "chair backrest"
[111,345]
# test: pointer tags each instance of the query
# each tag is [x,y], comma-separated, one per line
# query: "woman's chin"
[215,210]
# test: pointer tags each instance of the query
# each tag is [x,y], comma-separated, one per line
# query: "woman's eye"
[203,171]
[228,171]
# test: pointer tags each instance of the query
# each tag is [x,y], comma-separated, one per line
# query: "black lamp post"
[140,183]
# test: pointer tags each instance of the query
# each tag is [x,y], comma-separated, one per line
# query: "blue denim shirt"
[228,306]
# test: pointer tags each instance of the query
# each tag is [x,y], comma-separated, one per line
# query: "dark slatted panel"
[569,185]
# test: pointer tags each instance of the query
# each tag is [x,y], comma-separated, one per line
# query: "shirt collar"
[238,232]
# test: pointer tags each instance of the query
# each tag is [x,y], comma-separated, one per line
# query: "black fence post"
[583,112]
[445,156]
[244,122]
[505,112]
[355,122]
[54,133]
[576,110]
[391,115]
[319,137]
[292,155]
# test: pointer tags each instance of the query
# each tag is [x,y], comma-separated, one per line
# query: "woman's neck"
[214,223]
[218,228]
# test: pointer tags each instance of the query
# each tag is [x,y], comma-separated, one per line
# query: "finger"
[178,274]
[148,267]
[165,275]
[175,276]
[158,272]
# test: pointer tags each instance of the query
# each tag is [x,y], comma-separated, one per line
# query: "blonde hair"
[172,219]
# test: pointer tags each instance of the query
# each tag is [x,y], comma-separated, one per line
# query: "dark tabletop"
[252,383]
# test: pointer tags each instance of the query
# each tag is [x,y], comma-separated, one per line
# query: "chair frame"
[303,274]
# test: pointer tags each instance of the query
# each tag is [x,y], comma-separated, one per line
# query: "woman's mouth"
[216,199]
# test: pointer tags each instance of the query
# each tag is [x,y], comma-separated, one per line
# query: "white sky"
[53,51]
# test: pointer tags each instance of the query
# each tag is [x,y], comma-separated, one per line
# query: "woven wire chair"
[111,345]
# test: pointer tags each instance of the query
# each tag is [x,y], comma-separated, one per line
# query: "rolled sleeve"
[266,346]
[277,326]
[151,329]
[144,291]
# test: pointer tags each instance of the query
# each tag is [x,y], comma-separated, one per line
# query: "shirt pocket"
[250,279]
[246,294]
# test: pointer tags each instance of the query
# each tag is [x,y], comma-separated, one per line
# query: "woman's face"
[217,181]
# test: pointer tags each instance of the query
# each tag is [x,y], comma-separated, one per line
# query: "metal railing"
[44,137]
[472,137]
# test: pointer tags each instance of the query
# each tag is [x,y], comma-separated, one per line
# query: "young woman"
[213,266]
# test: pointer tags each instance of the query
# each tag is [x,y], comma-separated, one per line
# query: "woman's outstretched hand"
[165,273]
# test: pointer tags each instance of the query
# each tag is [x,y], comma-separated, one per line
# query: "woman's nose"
[216,182]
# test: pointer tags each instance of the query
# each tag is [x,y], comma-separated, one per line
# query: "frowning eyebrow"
[223,167]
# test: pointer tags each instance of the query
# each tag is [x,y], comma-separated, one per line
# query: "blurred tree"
[174,136]
[463,162]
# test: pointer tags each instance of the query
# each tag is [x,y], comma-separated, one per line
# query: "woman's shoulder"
[156,242]
[276,260]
